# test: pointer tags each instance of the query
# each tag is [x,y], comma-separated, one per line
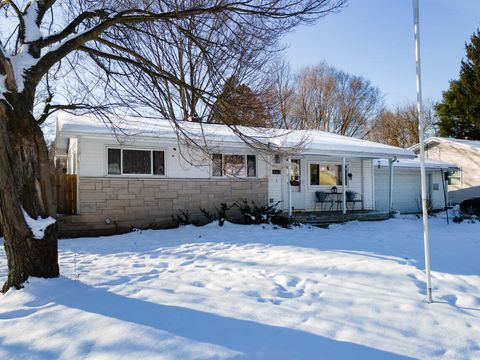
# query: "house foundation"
[110,205]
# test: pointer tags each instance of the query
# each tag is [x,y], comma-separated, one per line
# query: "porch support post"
[344,193]
[363,181]
[289,186]
[390,185]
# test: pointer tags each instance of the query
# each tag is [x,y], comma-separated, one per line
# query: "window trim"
[245,167]
[320,163]
[137,149]
[460,178]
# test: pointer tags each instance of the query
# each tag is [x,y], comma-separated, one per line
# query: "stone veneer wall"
[145,203]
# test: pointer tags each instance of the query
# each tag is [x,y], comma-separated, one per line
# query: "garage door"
[406,190]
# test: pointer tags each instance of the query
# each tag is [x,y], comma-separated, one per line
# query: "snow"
[471,144]
[354,291]
[20,64]
[313,141]
[415,164]
[39,225]
[32,30]
[3,89]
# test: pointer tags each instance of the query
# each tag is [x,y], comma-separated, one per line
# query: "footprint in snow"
[186,263]
[198,284]
[138,265]
[286,281]
[254,294]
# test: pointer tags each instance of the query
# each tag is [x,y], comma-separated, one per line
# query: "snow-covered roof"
[313,141]
[415,164]
[472,144]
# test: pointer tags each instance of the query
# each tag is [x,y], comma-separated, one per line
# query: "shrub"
[219,215]
[471,206]
[458,219]
[183,218]
[254,214]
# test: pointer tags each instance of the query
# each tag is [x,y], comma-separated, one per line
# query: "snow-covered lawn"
[354,291]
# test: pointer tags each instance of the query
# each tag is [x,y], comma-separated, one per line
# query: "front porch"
[332,217]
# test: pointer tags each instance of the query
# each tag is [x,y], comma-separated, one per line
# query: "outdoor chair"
[321,197]
[353,197]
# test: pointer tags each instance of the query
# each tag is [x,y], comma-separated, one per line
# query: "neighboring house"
[141,175]
[465,154]
[407,193]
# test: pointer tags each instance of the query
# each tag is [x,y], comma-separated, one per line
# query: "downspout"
[363,182]
[289,186]
[444,193]
[344,193]
[390,185]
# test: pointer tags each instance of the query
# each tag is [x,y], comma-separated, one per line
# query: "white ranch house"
[141,174]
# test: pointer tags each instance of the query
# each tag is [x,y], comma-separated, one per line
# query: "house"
[465,154]
[139,174]
[407,195]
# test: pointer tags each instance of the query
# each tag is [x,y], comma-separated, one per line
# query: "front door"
[298,198]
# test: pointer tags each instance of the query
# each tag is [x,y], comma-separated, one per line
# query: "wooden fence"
[66,193]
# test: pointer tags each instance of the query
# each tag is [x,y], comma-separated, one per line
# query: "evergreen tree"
[238,104]
[459,111]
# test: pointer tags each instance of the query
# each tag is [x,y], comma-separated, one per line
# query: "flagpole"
[421,122]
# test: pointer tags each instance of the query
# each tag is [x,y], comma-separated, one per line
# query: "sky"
[374,39]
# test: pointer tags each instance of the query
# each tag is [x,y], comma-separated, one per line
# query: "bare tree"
[400,126]
[40,39]
[331,100]
[280,93]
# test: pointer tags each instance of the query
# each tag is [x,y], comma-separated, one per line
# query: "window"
[114,161]
[327,174]
[136,162]
[251,166]
[234,165]
[455,178]
[158,163]
[217,165]
[295,173]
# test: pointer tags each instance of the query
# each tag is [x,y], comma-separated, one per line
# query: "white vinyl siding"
[93,160]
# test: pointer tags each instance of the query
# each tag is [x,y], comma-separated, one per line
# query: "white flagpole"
[421,122]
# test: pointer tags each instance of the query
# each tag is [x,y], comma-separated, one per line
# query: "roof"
[472,144]
[313,141]
[430,164]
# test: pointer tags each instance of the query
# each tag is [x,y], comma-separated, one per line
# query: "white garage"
[407,185]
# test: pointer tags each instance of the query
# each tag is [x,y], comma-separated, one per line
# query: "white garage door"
[406,190]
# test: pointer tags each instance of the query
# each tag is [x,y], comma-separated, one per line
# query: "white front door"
[298,196]
[275,186]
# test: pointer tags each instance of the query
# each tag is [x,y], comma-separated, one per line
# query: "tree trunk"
[25,185]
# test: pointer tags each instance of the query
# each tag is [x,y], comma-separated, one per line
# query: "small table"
[335,197]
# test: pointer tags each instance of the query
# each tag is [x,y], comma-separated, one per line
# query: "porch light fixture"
[350,176]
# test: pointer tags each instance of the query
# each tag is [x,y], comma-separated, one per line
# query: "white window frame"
[320,163]
[245,167]
[137,175]
[459,178]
